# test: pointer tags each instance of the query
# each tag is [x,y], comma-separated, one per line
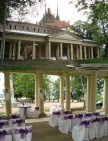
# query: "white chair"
[35,113]
[77,119]
[80,132]
[4,124]
[54,119]
[20,122]
[2,117]
[53,108]
[22,133]
[5,134]
[65,125]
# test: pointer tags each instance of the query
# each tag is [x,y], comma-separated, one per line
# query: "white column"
[34,51]
[105,98]
[93,91]
[77,52]
[36,90]
[85,53]
[7,93]
[71,51]
[61,51]
[10,51]
[62,91]
[14,51]
[68,52]
[25,51]
[19,48]
[49,50]
[88,94]
[67,92]
[80,51]
[91,52]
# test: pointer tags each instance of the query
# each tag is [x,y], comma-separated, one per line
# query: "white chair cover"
[22,133]
[65,125]
[4,124]
[54,119]
[5,134]
[19,122]
[80,132]
[35,113]
[53,108]
[2,117]
[77,119]
[24,111]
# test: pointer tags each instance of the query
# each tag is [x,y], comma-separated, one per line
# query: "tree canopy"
[18,8]
[96,25]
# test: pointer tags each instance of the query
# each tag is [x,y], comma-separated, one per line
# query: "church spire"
[57,17]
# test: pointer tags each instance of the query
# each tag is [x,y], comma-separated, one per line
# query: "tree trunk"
[106,50]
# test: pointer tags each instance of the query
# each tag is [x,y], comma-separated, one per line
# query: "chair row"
[16,134]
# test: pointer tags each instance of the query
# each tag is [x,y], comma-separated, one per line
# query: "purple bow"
[88,115]
[56,113]
[3,133]
[23,132]
[66,112]
[86,123]
[14,116]
[96,114]
[68,117]
[2,117]
[19,122]
[37,108]
[2,123]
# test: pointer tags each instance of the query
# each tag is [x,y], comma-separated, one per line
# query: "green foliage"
[97,22]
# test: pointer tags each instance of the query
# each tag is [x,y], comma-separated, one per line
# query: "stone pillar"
[40,52]
[7,93]
[58,53]
[68,52]
[10,51]
[19,48]
[77,52]
[67,92]
[91,52]
[61,51]
[85,52]
[93,91]
[25,51]
[62,91]
[88,94]
[98,52]
[41,94]
[49,50]
[105,98]
[14,51]
[72,51]
[34,51]
[36,91]
[80,51]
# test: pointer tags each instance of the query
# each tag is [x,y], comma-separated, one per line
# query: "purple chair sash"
[2,116]
[66,112]
[106,118]
[68,117]
[3,134]
[80,116]
[88,114]
[2,123]
[86,123]
[23,132]
[56,113]
[37,108]
[96,114]
[19,122]
[14,116]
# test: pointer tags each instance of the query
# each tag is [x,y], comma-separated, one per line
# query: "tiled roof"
[60,24]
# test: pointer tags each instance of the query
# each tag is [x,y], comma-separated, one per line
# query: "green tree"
[21,6]
[97,19]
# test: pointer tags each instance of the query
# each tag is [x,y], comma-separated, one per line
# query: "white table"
[24,111]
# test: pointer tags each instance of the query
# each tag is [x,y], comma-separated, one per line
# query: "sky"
[66,11]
